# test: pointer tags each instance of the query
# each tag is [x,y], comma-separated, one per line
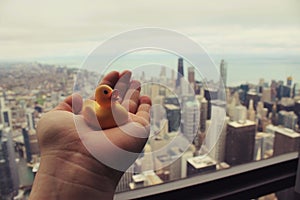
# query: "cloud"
[33,29]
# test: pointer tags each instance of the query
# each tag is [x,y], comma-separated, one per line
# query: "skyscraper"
[203,115]
[191,117]
[216,136]
[191,75]
[2,103]
[240,142]
[296,90]
[223,72]
[30,119]
[158,111]
[173,116]
[9,181]
[210,94]
[297,110]
[251,111]
[180,71]
[274,117]
[240,114]
[266,94]
[288,119]
[289,81]
[273,90]
[6,117]
[27,144]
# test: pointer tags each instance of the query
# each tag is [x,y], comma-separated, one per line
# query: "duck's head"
[105,95]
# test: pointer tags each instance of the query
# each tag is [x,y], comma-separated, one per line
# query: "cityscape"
[254,122]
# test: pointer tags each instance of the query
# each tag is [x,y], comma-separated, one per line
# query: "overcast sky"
[34,29]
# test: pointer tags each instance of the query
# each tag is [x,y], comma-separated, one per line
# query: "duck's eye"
[105,92]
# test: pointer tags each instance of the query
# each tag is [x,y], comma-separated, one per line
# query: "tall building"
[203,115]
[200,164]
[30,119]
[172,99]
[175,165]
[180,72]
[191,75]
[251,111]
[254,96]
[154,90]
[216,137]
[163,72]
[297,110]
[274,117]
[210,94]
[173,116]
[9,181]
[27,144]
[240,114]
[6,117]
[286,140]
[147,160]
[191,117]
[184,87]
[296,90]
[273,90]
[289,81]
[2,103]
[223,72]
[191,79]
[158,111]
[287,119]
[263,145]
[184,157]
[266,95]
[240,141]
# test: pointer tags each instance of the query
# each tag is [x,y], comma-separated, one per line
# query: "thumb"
[72,103]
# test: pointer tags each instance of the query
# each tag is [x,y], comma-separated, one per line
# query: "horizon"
[65,33]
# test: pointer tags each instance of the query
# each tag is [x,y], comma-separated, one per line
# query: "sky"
[67,31]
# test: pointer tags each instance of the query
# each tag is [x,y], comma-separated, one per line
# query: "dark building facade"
[240,141]
[286,141]
[173,116]
[180,71]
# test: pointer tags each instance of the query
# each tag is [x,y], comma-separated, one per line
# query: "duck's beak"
[115,95]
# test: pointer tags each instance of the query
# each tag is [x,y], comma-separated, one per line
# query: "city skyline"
[196,127]
[180,144]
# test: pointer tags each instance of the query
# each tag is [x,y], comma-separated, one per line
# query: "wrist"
[73,175]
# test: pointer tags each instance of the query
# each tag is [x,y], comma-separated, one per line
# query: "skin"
[67,169]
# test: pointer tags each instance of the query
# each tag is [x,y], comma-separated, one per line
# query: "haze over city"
[247,110]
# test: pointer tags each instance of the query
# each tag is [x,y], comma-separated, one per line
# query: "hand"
[68,169]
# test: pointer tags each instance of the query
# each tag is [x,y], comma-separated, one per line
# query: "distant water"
[240,68]
[238,73]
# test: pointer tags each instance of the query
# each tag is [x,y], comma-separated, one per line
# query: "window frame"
[250,180]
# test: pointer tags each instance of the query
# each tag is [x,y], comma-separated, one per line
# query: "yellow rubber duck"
[106,111]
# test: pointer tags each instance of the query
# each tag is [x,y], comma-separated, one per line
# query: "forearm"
[59,178]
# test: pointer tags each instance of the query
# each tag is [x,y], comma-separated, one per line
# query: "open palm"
[74,153]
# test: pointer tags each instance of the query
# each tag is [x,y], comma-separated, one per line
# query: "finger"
[123,83]
[131,98]
[144,109]
[143,112]
[110,79]
[72,103]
